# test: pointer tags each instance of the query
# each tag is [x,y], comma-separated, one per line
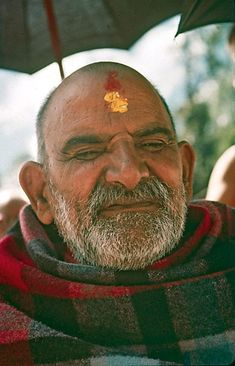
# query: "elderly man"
[111,265]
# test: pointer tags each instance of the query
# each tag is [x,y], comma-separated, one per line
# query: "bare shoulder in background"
[9,211]
[222,179]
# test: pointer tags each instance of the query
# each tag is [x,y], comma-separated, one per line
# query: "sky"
[155,55]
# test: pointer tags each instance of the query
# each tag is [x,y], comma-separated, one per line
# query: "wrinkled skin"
[87,144]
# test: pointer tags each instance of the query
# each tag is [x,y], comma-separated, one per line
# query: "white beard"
[129,240]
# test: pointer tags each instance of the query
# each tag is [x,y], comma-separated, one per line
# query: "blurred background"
[194,72]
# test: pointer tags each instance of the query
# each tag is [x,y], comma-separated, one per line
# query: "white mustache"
[148,190]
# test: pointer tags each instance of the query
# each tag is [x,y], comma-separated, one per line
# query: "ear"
[188,160]
[33,182]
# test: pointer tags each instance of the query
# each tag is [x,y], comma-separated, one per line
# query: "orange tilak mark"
[116,102]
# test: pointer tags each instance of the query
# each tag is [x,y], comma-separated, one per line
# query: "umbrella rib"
[26,30]
[54,33]
[190,12]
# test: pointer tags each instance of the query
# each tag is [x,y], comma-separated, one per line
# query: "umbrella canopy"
[35,33]
[80,25]
[197,13]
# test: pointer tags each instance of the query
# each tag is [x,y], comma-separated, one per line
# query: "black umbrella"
[197,13]
[35,33]
[27,28]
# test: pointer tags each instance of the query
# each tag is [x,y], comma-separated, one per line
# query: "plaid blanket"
[181,310]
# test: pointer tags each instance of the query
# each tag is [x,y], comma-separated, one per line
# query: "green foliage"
[207,119]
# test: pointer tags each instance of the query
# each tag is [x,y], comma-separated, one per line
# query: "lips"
[129,206]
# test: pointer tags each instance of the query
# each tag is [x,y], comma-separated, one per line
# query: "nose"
[126,167]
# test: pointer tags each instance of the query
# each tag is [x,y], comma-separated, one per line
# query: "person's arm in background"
[221,185]
[9,210]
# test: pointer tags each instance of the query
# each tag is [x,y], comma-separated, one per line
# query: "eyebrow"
[154,131]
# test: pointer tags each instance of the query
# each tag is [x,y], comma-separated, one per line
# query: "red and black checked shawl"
[181,310]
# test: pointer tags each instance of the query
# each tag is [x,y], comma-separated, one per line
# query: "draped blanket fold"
[181,310]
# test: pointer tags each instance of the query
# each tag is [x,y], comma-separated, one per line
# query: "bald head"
[101,76]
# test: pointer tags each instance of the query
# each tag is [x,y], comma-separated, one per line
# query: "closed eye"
[154,145]
[87,154]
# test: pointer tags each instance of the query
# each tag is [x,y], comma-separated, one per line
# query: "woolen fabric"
[180,310]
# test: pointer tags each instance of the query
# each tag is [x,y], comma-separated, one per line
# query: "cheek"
[77,179]
[168,169]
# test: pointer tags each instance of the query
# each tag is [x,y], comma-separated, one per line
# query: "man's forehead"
[109,93]
[111,88]
[103,78]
